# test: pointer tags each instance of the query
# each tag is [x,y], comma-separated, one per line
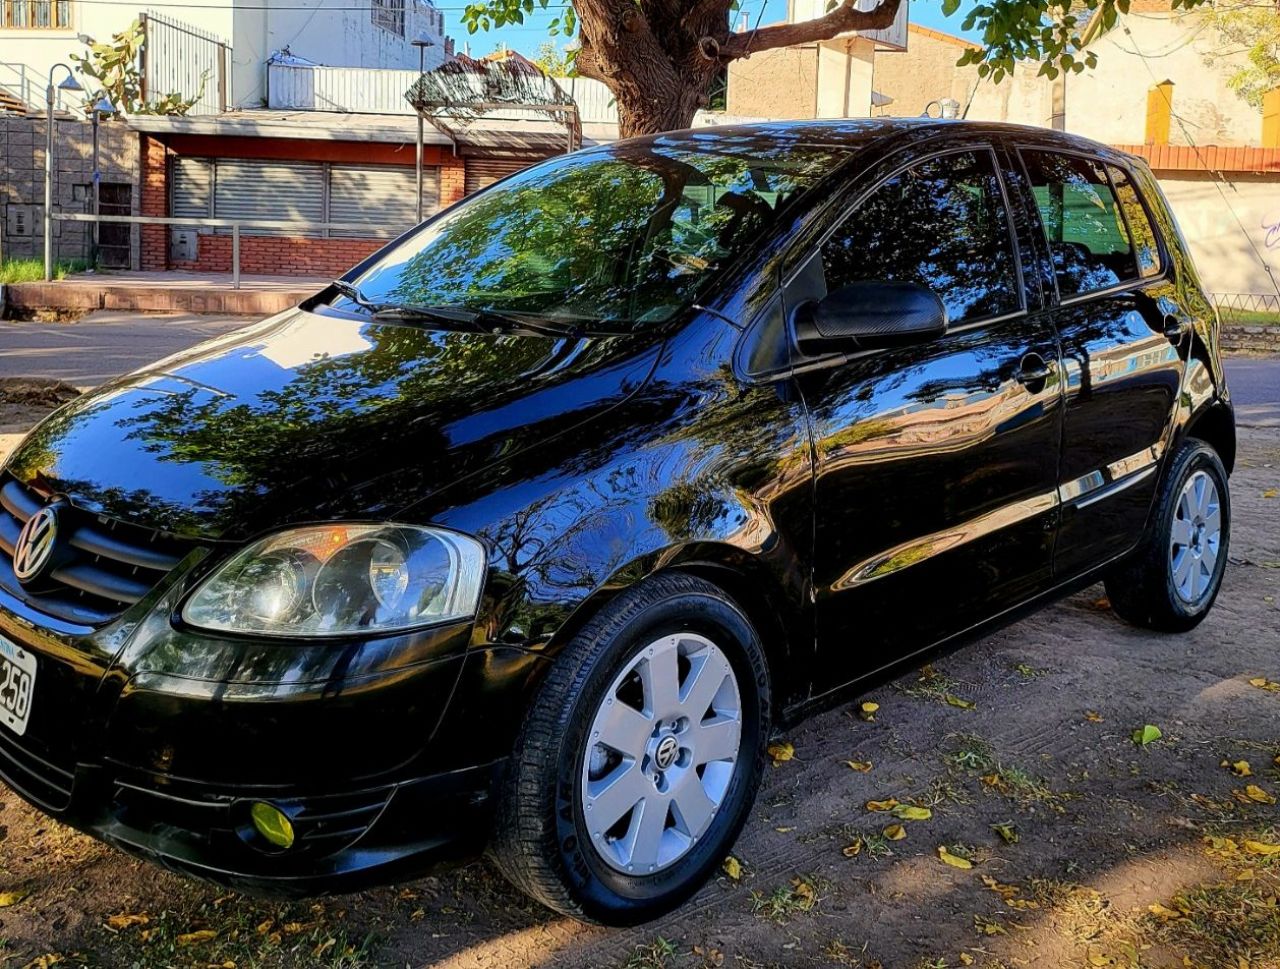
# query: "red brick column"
[453,179]
[155,202]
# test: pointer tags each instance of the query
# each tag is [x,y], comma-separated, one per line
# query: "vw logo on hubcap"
[34,548]
[665,755]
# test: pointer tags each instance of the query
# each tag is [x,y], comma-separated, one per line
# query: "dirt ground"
[1112,853]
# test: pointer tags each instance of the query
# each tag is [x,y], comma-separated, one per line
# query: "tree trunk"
[668,106]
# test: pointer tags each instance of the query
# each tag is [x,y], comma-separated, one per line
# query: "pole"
[97,193]
[422,53]
[235,256]
[48,181]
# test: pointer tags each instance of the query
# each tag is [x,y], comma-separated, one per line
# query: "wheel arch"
[775,609]
[1216,426]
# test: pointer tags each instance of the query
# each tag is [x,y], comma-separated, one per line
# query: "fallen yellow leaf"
[956,701]
[784,830]
[888,805]
[732,867]
[851,850]
[1271,493]
[781,752]
[1262,683]
[867,711]
[1255,793]
[909,812]
[1240,768]
[1004,891]
[1261,848]
[966,959]
[1093,716]
[13,897]
[895,832]
[120,922]
[1162,912]
[195,938]
[861,766]
[955,861]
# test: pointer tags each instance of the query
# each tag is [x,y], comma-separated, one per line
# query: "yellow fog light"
[272,823]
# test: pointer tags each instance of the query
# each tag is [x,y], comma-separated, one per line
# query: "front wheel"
[1171,580]
[640,756]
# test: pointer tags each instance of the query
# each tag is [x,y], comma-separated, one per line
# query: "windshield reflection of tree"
[629,237]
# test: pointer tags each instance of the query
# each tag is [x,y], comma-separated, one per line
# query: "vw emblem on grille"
[34,548]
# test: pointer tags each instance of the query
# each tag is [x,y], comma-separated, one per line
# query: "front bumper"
[384,774]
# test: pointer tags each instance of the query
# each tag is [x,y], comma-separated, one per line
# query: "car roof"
[857,134]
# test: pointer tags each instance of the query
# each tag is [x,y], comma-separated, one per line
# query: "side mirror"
[871,313]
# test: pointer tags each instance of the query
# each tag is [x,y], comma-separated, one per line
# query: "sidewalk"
[165,292]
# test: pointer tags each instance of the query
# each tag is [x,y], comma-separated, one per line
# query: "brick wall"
[273,254]
[280,255]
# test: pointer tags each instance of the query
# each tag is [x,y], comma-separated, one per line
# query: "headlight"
[334,580]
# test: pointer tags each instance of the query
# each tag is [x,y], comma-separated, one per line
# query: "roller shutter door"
[481,172]
[253,189]
[379,196]
[191,188]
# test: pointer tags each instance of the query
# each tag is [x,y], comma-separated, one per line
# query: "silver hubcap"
[1196,538]
[663,747]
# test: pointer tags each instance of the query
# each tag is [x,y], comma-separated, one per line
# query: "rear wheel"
[1171,580]
[640,756]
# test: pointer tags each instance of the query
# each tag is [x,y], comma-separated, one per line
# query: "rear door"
[1122,331]
[936,463]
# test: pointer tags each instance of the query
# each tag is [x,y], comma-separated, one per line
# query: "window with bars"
[35,14]
[388,14]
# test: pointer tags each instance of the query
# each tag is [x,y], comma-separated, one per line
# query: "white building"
[229,40]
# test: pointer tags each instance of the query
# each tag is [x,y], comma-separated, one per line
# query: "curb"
[38,391]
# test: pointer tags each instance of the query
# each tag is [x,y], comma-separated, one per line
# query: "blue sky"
[527,37]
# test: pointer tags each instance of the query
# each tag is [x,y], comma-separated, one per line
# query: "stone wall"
[22,151]
[1252,338]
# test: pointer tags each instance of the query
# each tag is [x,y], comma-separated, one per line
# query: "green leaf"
[1146,735]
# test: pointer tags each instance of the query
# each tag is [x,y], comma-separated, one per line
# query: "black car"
[527,532]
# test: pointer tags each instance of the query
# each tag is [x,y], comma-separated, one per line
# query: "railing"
[179,58]
[235,225]
[1242,307]
[367,90]
[28,86]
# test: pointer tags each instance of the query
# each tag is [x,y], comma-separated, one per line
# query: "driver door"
[936,462]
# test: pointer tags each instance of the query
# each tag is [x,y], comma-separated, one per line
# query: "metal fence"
[1236,303]
[179,58]
[235,225]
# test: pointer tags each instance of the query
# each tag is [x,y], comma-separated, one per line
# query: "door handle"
[1176,326]
[1034,369]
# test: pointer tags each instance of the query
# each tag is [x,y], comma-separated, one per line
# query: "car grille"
[44,782]
[112,564]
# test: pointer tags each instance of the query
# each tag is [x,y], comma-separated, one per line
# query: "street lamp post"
[101,108]
[422,42]
[69,83]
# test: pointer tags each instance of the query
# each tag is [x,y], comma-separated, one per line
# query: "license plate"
[17,685]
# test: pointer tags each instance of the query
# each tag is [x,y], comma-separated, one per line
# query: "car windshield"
[613,239]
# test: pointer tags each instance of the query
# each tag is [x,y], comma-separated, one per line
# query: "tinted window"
[941,223]
[620,237]
[1144,236]
[1087,236]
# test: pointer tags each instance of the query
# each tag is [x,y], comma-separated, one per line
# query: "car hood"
[306,417]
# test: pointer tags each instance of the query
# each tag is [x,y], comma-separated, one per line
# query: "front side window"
[619,238]
[36,14]
[942,224]
[1088,239]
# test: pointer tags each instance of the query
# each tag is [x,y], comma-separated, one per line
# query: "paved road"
[1255,388]
[103,344]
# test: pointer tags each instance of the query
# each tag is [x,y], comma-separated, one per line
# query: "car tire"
[684,767]
[1169,583]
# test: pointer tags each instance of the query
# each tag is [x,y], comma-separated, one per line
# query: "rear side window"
[941,223]
[1145,246]
[1087,235]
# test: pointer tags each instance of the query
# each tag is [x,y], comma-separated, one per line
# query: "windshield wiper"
[353,293]
[486,319]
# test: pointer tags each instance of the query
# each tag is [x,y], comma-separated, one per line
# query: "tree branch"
[843,19]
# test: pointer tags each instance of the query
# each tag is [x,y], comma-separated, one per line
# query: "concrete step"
[158,294]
